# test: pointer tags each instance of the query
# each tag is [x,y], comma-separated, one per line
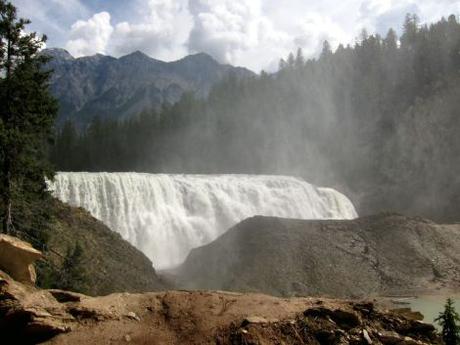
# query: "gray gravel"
[378,255]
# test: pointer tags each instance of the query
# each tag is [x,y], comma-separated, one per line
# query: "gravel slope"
[383,254]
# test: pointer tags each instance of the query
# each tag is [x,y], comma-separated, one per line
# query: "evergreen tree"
[291,60]
[327,51]
[282,64]
[27,113]
[448,320]
[410,30]
[299,60]
[391,41]
[71,276]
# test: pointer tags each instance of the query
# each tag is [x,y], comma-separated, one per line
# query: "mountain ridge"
[108,87]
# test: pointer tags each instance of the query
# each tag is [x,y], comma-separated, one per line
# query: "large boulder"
[29,315]
[17,258]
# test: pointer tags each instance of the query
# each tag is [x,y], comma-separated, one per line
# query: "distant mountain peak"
[58,53]
[138,55]
[121,87]
[200,57]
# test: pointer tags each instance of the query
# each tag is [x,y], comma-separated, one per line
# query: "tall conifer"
[27,113]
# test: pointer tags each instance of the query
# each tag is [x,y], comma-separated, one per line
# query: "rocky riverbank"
[29,316]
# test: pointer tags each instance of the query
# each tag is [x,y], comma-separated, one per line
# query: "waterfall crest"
[165,216]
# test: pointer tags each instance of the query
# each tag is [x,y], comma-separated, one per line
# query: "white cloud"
[251,33]
[235,31]
[161,33]
[380,15]
[90,36]
[316,29]
[51,17]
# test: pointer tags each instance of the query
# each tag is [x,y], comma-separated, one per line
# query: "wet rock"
[423,328]
[365,308]
[366,337]
[389,337]
[326,336]
[343,318]
[408,313]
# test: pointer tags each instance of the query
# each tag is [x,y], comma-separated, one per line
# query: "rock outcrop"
[109,263]
[29,316]
[17,258]
[377,255]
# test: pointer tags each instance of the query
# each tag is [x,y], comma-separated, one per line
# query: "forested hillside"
[378,120]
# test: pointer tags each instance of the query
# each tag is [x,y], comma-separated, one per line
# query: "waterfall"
[165,216]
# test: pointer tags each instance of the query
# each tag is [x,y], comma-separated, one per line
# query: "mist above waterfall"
[166,216]
[377,120]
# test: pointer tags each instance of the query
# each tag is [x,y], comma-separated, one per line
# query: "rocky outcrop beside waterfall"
[107,264]
[383,254]
[29,316]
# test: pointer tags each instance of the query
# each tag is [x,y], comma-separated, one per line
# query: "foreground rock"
[29,316]
[17,258]
[383,254]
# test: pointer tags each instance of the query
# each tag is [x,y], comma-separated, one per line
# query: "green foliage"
[448,320]
[70,275]
[27,114]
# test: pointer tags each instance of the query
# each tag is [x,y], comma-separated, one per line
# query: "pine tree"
[291,60]
[299,60]
[410,30]
[282,64]
[27,112]
[448,320]
[391,41]
[72,276]
[327,51]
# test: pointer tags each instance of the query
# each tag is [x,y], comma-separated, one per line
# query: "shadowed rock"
[377,255]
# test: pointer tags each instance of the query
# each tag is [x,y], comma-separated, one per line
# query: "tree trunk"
[6,193]
[7,218]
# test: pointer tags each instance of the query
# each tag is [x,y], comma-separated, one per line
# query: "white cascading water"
[165,216]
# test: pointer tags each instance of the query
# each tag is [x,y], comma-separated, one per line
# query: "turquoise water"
[431,306]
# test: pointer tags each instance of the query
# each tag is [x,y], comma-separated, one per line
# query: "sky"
[250,33]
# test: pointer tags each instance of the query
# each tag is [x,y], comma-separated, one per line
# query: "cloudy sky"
[251,33]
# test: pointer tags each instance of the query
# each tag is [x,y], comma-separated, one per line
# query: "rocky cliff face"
[107,264]
[384,254]
[104,86]
[29,316]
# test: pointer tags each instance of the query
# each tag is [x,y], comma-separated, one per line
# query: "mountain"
[384,254]
[105,86]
